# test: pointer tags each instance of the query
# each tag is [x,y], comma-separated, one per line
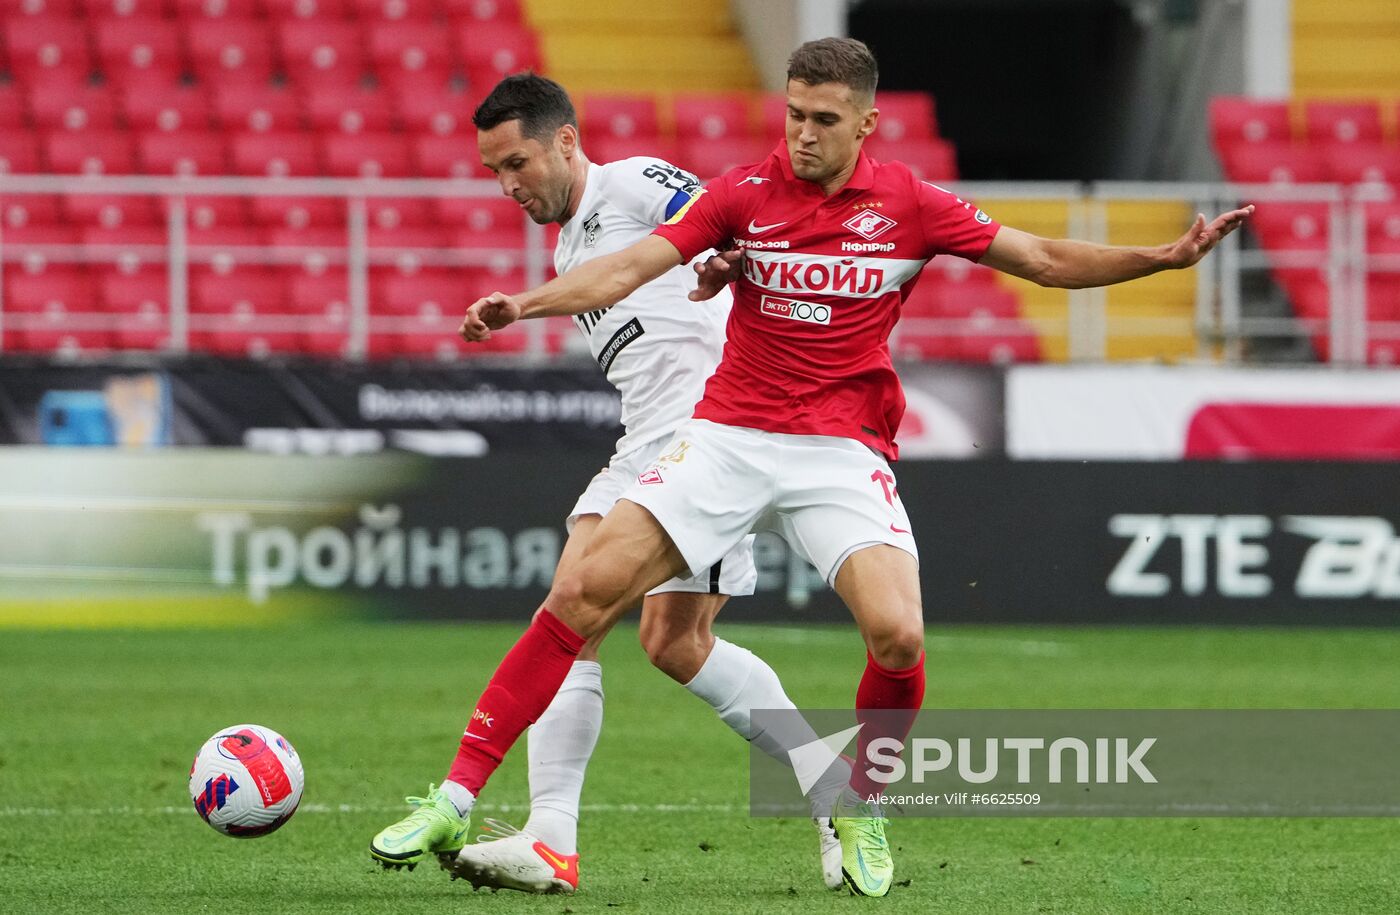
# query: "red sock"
[519,692]
[884,690]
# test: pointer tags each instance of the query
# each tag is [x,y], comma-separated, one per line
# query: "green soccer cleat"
[866,864]
[434,828]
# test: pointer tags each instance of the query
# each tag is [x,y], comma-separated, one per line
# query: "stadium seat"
[487,215]
[1362,163]
[322,302]
[905,116]
[350,109]
[259,109]
[1382,225]
[140,305]
[393,212]
[1236,120]
[138,49]
[441,110]
[495,49]
[168,107]
[447,157]
[376,12]
[279,155]
[125,250]
[42,306]
[225,251]
[297,212]
[104,12]
[416,51]
[368,155]
[212,212]
[321,52]
[713,116]
[227,312]
[439,291]
[43,49]
[20,210]
[314,249]
[184,152]
[90,152]
[319,10]
[61,105]
[1274,163]
[929,160]
[1293,226]
[709,158]
[264,289]
[230,50]
[772,111]
[38,9]
[625,117]
[613,149]
[1342,122]
[230,10]
[19,152]
[481,10]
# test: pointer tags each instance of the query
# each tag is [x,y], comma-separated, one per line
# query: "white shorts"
[826,496]
[731,572]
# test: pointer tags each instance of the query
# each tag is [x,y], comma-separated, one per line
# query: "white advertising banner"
[1170,413]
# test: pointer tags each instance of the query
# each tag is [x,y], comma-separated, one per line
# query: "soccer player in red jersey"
[796,427]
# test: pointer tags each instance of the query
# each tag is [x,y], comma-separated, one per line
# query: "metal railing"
[1222,322]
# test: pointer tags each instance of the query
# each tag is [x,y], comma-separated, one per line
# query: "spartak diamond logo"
[868,225]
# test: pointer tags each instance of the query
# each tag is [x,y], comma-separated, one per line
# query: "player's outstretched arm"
[1066,264]
[599,283]
[715,272]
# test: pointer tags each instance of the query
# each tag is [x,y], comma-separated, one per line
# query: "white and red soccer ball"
[246,781]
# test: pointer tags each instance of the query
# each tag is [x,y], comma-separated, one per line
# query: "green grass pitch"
[97,730]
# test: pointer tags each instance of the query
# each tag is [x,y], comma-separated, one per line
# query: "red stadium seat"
[482,10]
[42,307]
[38,9]
[495,49]
[140,303]
[138,49]
[316,249]
[1383,226]
[225,251]
[321,52]
[90,152]
[263,289]
[298,212]
[623,116]
[12,106]
[169,107]
[487,215]
[226,313]
[393,212]
[773,112]
[416,51]
[442,111]
[322,302]
[905,116]
[447,157]
[1342,122]
[1274,163]
[279,155]
[711,116]
[61,105]
[1362,163]
[1293,226]
[438,291]
[20,210]
[259,109]
[1235,120]
[380,11]
[350,109]
[231,10]
[19,152]
[230,50]
[709,158]
[185,152]
[44,49]
[126,250]
[112,210]
[613,149]
[368,155]
[105,11]
[929,160]
[1001,349]
[321,10]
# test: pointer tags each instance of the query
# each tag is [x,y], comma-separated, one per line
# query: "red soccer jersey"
[822,284]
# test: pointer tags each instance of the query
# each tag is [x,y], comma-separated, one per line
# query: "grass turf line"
[99,720]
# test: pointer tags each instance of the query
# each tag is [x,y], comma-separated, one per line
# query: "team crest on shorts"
[651,476]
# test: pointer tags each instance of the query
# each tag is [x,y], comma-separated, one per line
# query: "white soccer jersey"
[655,346]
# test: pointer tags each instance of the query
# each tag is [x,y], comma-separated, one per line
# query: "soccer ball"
[246,781]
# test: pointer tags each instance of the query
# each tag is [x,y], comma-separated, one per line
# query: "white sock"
[734,681]
[560,744]
[460,797]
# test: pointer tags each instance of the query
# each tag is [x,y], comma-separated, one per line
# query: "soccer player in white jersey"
[796,427]
[657,349]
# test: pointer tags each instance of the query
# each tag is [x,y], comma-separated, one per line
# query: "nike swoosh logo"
[549,856]
[897,530]
[755,229]
[395,843]
[871,881]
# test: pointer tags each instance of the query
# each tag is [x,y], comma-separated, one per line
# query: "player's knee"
[568,601]
[898,647]
[678,652]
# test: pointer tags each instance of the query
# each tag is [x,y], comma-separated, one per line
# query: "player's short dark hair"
[540,105]
[835,60]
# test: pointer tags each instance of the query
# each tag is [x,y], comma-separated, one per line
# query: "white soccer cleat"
[830,847]
[509,859]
